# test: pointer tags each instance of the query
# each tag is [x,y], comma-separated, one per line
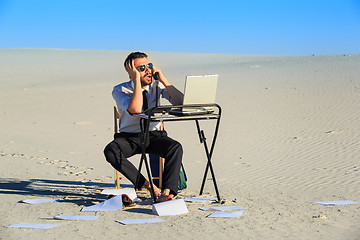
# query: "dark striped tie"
[145,102]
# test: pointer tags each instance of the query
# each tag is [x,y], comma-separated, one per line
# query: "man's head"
[142,64]
[133,56]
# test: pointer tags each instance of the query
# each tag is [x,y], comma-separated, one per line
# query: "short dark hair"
[134,55]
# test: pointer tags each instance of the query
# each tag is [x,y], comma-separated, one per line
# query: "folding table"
[161,113]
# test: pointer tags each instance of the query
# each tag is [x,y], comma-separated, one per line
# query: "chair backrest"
[116,120]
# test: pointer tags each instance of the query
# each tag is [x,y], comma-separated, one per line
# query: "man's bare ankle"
[165,192]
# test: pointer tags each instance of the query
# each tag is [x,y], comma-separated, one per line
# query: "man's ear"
[126,63]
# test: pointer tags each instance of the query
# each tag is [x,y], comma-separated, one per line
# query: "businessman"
[133,97]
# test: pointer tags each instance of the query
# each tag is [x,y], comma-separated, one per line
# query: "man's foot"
[164,198]
[156,189]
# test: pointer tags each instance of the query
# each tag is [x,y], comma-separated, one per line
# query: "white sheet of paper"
[140,221]
[173,207]
[111,204]
[344,202]
[225,215]
[36,201]
[128,191]
[76,217]
[198,199]
[224,208]
[32,225]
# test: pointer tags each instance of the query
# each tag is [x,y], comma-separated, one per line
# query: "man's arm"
[175,95]
[135,105]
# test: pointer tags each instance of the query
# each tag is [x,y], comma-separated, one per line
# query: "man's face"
[145,76]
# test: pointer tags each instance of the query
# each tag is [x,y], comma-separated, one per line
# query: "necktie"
[145,102]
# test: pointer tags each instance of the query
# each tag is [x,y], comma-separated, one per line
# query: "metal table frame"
[160,113]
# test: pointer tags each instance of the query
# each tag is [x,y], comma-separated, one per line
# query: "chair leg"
[117,180]
[161,170]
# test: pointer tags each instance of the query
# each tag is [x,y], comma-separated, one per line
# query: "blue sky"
[238,26]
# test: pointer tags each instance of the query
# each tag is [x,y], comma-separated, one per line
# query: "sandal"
[127,202]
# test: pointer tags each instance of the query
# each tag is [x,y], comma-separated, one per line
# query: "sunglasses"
[143,67]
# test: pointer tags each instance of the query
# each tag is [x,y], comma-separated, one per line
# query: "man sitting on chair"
[133,97]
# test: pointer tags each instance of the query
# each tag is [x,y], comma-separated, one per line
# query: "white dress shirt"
[122,94]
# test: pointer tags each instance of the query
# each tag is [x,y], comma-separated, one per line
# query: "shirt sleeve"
[164,93]
[122,99]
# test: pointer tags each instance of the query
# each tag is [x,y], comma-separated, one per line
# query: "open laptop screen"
[200,89]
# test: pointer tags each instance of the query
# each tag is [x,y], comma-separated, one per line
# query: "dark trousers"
[126,145]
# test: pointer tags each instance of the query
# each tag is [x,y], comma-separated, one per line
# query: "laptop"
[198,90]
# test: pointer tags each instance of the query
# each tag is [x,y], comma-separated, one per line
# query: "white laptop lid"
[200,89]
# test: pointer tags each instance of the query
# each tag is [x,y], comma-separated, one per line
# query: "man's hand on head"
[134,74]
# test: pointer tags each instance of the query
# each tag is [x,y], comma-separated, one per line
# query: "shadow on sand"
[80,193]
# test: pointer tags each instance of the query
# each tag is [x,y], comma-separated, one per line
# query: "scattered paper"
[36,201]
[111,204]
[224,208]
[33,225]
[140,221]
[198,199]
[128,191]
[225,215]
[78,217]
[344,202]
[173,207]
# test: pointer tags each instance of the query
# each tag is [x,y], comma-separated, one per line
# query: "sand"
[289,137]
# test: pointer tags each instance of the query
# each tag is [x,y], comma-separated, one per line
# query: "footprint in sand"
[23,155]
[71,170]
[333,132]
[299,138]
[76,171]
[352,170]
[320,169]
[242,164]
[82,123]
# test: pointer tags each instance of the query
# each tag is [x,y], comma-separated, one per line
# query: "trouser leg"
[117,152]
[171,150]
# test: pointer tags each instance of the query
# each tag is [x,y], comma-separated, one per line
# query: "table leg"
[145,134]
[209,164]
